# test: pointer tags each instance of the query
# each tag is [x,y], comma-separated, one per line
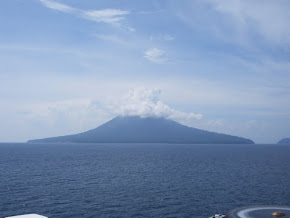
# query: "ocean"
[140,180]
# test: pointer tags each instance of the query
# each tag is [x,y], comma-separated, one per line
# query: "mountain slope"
[133,129]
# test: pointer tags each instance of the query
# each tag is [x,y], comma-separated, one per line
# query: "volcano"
[135,129]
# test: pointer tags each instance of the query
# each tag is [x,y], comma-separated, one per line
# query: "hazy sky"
[70,65]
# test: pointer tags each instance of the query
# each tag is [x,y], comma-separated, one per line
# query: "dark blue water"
[140,180]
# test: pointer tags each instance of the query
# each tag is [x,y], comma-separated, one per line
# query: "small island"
[135,129]
[284,141]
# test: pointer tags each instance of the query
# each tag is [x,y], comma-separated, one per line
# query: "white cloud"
[155,55]
[58,6]
[238,21]
[146,103]
[131,29]
[110,15]
[268,18]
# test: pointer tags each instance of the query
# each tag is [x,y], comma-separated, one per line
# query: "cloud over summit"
[146,103]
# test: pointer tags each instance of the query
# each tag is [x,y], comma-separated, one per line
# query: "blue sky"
[221,65]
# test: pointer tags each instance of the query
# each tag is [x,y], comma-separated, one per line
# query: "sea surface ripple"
[140,180]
